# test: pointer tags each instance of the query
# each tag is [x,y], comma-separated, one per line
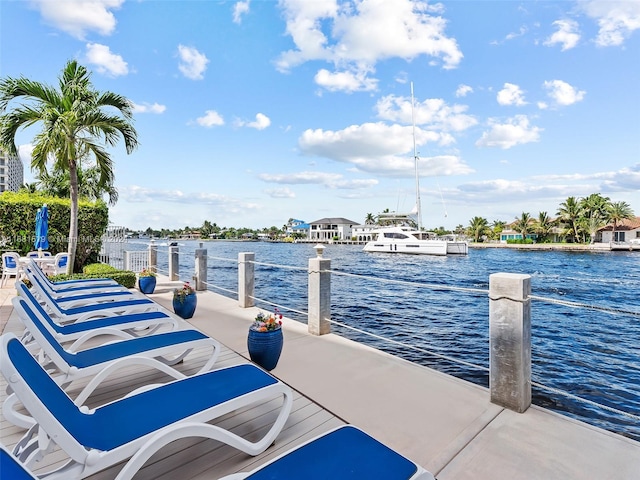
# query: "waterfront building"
[327,229]
[297,227]
[627,231]
[11,172]
[364,233]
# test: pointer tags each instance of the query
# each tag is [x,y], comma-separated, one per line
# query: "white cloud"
[362,34]
[562,93]
[463,90]
[138,194]
[149,108]
[261,122]
[511,95]
[433,112]
[78,17]
[329,180]
[516,131]
[106,62]
[210,119]
[379,148]
[280,193]
[240,9]
[345,81]
[192,63]
[567,34]
[617,19]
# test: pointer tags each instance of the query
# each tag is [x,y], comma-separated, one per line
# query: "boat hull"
[431,247]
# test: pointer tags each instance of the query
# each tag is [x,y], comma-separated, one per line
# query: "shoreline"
[567,247]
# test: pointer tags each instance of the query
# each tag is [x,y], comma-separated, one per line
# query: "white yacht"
[404,239]
[401,237]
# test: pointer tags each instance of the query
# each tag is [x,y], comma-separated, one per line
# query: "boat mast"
[415,159]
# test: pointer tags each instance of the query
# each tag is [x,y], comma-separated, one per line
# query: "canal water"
[593,354]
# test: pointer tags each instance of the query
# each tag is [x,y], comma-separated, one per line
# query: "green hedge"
[99,268]
[17,228]
[126,278]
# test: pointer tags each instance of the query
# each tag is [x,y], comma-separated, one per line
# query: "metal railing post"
[319,294]
[174,263]
[510,340]
[246,279]
[201,268]
[153,257]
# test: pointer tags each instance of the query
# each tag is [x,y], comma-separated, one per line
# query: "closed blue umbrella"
[42,227]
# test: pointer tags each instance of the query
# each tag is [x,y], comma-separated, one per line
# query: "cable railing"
[187,260]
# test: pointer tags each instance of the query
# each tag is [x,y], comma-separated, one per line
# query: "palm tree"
[543,225]
[497,226]
[75,124]
[594,223]
[619,211]
[477,227]
[370,219]
[569,214]
[522,225]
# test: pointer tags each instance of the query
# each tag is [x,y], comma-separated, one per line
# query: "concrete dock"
[445,424]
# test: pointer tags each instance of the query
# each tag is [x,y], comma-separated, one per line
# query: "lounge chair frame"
[138,425]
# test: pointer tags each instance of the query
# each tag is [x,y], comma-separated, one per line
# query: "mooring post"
[174,263]
[319,293]
[153,257]
[201,268]
[246,279]
[510,340]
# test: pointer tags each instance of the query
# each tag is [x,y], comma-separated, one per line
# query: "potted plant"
[184,301]
[147,281]
[265,339]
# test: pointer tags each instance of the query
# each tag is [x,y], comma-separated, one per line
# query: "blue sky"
[252,112]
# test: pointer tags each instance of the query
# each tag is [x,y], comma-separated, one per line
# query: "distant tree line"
[578,221]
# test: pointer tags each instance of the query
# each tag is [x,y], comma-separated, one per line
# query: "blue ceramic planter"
[265,347]
[147,284]
[187,308]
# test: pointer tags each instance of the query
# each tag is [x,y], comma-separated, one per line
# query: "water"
[592,354]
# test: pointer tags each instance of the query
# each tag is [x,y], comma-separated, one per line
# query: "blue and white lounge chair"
[154,351]
[63,312]
[11,469]
[59,293]
[79,282]
[78,298]
[345,453]
[124,326]
[137,426]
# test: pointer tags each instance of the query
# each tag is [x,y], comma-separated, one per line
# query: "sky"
[251,112]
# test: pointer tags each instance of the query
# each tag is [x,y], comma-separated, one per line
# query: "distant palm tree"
[497,226]
[370,220]
[569,214]
[594,223]
[523,225]
[543,225]
[619,211]
[76,123]
[477,227]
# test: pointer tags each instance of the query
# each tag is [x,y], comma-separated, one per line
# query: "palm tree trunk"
[73,223]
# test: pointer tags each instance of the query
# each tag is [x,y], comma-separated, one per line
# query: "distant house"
[297,227]
[627,231]
[190,236]
[327,229]
[364,233]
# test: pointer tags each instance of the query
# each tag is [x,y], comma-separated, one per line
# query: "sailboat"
[401,237]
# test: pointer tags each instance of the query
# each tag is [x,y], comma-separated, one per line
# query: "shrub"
[126,278]
[101,268]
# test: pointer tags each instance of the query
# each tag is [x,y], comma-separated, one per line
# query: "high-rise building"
[11,172]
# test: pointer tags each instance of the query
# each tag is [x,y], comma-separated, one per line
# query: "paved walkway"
[445,424]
